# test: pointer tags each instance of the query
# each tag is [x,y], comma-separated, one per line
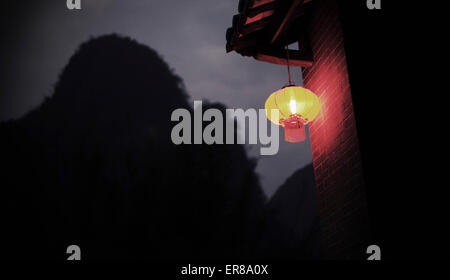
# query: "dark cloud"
[190,35]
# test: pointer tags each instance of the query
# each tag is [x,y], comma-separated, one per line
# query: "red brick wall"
[334,141]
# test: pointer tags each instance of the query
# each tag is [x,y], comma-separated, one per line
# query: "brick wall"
[334,141]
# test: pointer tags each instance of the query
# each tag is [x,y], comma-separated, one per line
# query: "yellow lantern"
[296,106]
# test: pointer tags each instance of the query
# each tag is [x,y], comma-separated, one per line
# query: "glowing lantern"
[296,106]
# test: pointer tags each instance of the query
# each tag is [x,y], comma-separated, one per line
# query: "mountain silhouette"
[94,166]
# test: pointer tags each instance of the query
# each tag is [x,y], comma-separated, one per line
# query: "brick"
[334,142]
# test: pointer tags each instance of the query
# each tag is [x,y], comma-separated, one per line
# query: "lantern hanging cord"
[288,66]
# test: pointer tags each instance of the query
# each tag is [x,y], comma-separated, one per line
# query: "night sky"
[39,37]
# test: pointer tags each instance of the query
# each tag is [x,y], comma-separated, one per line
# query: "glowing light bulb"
[293,105]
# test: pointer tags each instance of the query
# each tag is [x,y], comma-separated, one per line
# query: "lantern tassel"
[294,130]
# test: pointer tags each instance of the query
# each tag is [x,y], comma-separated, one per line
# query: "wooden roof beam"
[260,9]
[254,26]
[296,57]
[283,24]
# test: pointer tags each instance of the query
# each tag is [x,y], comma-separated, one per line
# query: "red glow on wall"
[334,141]
[332,88]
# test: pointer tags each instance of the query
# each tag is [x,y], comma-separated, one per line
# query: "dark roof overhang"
[263,28]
